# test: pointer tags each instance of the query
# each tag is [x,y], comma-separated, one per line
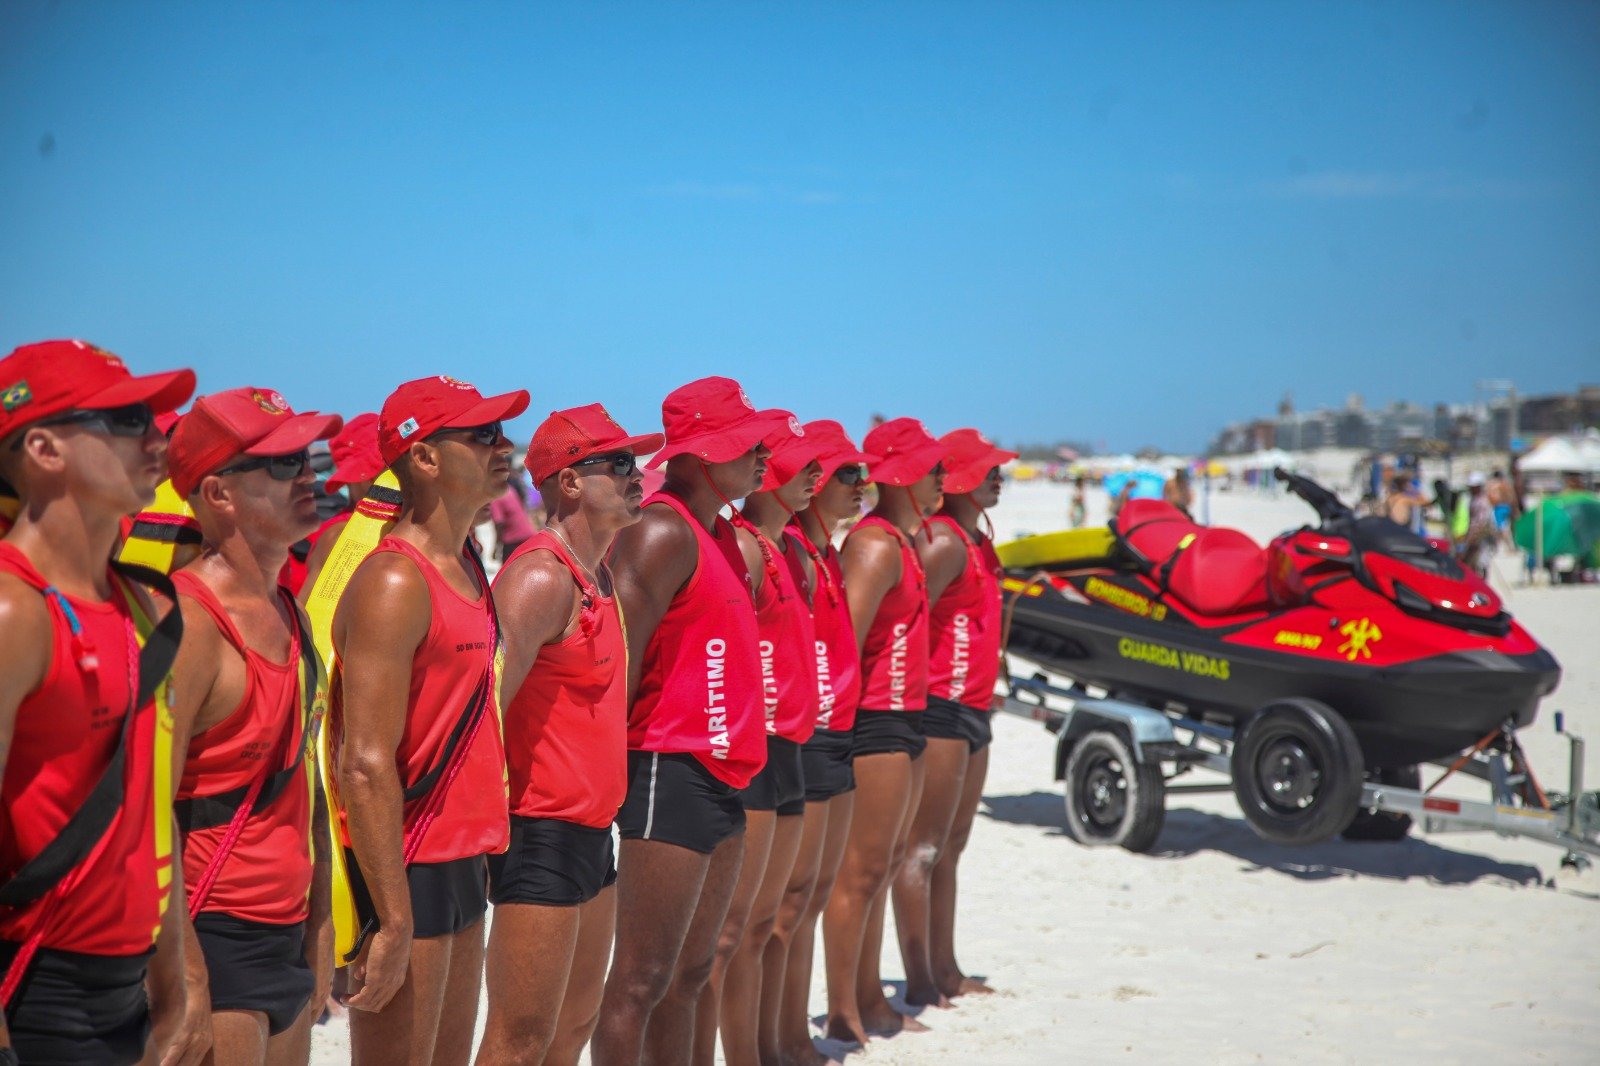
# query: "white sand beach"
[1221,947]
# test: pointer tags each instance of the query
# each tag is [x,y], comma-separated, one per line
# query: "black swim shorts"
[888,732]
[255,966]
[826,760]
[552,863]
[446,897]
[673,798]
[780,786]
[949,720]
[76,1008]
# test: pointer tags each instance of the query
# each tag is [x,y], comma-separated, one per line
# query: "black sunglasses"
[853,474]
[280,467]
[134,420]
[623,464]
[488,434]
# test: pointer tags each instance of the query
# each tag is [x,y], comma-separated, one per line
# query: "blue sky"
[1115,222]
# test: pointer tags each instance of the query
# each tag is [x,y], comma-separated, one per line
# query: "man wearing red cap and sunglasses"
[964,665]
[696,728]
[566,737]
[419,764]
[255,848]
[86,761]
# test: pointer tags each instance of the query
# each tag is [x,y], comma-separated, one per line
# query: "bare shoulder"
[870,545]
[387,597]
[661,538]
[537,573]
[29,631]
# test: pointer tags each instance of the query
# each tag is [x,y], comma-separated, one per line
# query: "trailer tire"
[1297,772]
[1383,825]
[1112,798]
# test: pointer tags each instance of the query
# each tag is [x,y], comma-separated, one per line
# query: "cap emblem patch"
[795,427]
[745,399]
[406,428]
[16,396]
[454,383]
[272,403]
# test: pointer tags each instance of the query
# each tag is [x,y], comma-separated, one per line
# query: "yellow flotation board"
[165,536]
[1066,546]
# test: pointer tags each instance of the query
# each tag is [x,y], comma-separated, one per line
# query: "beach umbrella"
[1571,523]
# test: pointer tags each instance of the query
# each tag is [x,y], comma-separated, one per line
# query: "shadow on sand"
[838,1050]
[1188,832]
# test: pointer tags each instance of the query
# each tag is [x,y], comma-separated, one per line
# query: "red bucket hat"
[902,451]
[355,454]
[427,405]
[838,449]
[53,377]
[246,421]
[969,456]
[791,453]
[570,436]
[713,419]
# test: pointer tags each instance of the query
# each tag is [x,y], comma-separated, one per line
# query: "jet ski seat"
[1213,570]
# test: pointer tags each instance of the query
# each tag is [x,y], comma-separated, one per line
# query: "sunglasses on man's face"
[134,420]
[853,474]
[280,467]
[623,464]
[488,434]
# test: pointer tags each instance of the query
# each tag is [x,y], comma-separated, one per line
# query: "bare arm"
[27,633]
[377,628]
[650,561]
[754,564]
[319,922]
[944,558]
[537,603]
[871,562]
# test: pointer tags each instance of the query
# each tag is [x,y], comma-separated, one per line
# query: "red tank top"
[567,726]
[894,657]
[838,662]
[788,641]
[267,875]
[65,733]
[445,671]
[700,685]
[964,656]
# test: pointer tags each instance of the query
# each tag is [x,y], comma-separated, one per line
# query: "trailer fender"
[1137,726]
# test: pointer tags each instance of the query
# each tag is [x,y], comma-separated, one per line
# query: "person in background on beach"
[414,729]
[566,737]
[1404,506]
[1178,492]
[79,445]
[357,464]
[1123,496]
[512,524]
[825,758]
[1080,501]
[1502,502]
[1472,526]
[775,799]
[255,840]
[964,665]
[888,598]
[695,732]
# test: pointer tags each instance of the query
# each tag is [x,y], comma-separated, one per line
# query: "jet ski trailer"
[1119,759]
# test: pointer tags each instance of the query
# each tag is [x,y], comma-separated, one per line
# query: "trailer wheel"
[1112,798]
[1384,825]
[1297,772]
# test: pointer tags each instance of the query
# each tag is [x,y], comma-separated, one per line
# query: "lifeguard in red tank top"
[267,875]
[894,656]
[788,649]
[838,662]
[64,735]
[964,654]
[700,686]
[566,729]
[446,669]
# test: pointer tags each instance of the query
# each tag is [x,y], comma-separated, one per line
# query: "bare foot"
[889,1021]
[961,985]
[806,1056]
[846,1031]
[926,996]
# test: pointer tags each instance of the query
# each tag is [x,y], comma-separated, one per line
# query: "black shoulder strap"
[205,812]
[90,821]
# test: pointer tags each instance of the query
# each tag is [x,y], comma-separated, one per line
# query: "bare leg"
[580,1010]
[883,788]
[942,921]
[237,1037]
[658,890]
[945,764]
[795,1021]
[876,1013]
[791,910]
[741,991]
[669,1038]
[407,1028]
[292,1047]
[530,956]
[459,1019]
[758,830]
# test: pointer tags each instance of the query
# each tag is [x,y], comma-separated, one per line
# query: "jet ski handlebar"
[1328,506]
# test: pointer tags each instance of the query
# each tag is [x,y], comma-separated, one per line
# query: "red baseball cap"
[52,377]
[902,451]
[969,456]
[713,419]
[427,405]
[838,449]
[570,436]
[355,453]
[245,421]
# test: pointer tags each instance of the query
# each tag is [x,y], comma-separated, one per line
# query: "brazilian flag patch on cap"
[16,396]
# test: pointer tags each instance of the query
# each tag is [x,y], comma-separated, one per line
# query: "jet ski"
[1358,614]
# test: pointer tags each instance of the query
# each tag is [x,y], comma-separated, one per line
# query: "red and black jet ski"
[1418,655]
